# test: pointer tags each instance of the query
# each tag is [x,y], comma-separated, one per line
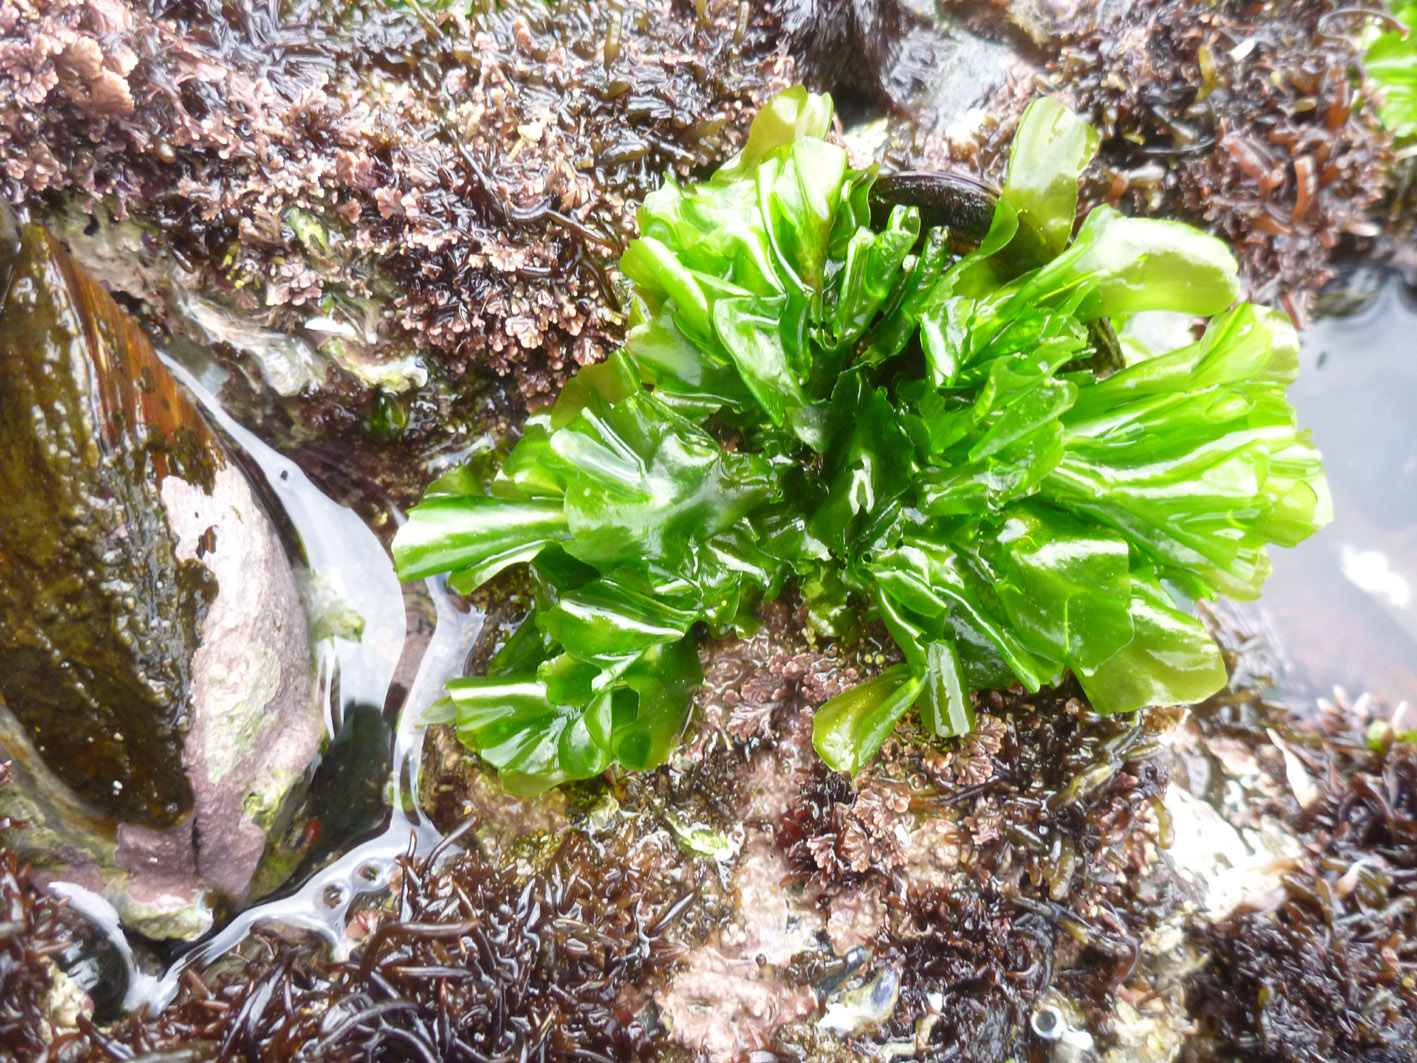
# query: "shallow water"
[354,675]
[1342,606]
[347,555]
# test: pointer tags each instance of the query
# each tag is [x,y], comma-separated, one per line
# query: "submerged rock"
[156,679]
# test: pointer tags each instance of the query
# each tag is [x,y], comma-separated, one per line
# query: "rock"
[908,59]
[156,676]
[98,619]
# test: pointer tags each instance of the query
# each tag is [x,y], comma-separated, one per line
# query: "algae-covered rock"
[98,619]
[156,679]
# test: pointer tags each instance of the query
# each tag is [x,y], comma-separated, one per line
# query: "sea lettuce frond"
[905,430]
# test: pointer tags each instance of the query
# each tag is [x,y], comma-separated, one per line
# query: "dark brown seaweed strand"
[1247,119]
[477,965]
[1053,807]
[32,933]
[1330,974]
[1242,118]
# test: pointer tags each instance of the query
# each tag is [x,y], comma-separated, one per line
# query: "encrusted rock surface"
[456,189]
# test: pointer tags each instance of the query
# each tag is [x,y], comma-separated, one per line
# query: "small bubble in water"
[332,896]
[370,871]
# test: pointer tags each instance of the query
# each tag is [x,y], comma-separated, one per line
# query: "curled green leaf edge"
[1010,515]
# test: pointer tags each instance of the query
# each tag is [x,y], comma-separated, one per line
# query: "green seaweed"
[907,433]
[1391,61]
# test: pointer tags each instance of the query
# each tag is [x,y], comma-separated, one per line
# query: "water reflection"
[358,676]
[1343,605]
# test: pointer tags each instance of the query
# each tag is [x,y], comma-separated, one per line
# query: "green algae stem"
[98,618]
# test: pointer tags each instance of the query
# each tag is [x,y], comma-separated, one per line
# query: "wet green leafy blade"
[1172,660]
[849,729]
[475,535]
[1050,151]
[1065,586]
[944,703]
[1136,264]
[1391,61]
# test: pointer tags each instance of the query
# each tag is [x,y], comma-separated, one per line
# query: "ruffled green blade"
[900,431]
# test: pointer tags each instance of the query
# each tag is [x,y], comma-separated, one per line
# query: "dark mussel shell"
[961,204]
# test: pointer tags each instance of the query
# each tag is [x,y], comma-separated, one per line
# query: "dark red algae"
[451,190]
[478,965]
[1051,825]
[1247,118]
[1329,975]
[1049,809]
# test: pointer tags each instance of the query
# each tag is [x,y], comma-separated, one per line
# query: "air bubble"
[333,895]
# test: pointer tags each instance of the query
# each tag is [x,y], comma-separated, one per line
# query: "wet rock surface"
[364,215]
[100,618]
[157,678]
[979,912]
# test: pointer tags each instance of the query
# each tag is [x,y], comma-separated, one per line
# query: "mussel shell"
[961,204]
